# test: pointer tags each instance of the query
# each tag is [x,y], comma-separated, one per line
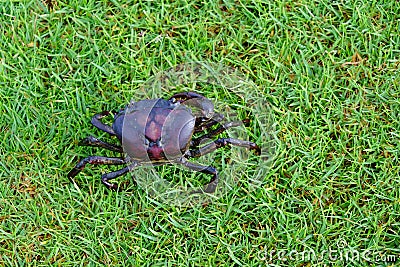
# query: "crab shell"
[155,130]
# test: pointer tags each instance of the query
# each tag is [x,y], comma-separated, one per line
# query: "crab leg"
[96,160]
[212,185]
[96,121]
[112,175]
[221,142]
[203,125]
[93,141]
[216,132]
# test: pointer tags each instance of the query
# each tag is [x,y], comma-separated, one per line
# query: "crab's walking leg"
[212,185]
[96,160]
[216,132]
[220,143]
[93,141]
[112,175]
[204,125]
[96,121]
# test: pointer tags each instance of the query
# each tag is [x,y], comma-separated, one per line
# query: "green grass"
[330,71]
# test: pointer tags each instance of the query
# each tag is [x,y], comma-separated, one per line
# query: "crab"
[158,132]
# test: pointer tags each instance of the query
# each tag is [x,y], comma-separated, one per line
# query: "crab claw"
[201,107]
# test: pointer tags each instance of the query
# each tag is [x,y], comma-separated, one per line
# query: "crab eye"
[144,139]
[146,142]
[160,143]
[174,102]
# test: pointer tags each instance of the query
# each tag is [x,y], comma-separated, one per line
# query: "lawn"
[328,71]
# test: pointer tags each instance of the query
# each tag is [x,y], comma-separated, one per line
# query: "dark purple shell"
[155,130]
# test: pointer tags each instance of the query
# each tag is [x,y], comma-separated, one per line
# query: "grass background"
[329,69]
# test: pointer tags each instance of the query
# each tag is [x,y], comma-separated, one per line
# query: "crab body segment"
[155,131]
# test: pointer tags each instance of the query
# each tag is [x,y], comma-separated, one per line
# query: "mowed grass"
[329,70]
